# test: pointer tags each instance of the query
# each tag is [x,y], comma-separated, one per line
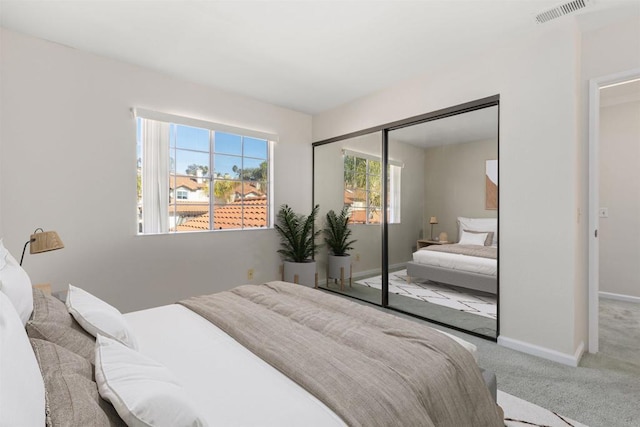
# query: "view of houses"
[237,203]
[232,194]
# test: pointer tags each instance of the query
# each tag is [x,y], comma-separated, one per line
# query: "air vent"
[563,9]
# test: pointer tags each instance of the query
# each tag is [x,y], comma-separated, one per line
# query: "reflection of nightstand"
[422,243]
[44,287]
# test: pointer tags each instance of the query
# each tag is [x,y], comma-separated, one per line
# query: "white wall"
[1,151]
[536,77]
[620,193]
[403,236]
[607,50]
[67,123]
[455,184]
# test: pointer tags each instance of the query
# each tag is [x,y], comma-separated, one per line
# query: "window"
[363,188]
[195,175]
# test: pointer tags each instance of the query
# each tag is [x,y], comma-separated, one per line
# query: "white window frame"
[180,193]
[212,127]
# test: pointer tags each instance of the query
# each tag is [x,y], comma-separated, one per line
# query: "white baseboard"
[618,297]
[545,353]
[366,273]
[369,273]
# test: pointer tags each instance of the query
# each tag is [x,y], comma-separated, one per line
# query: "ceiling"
[309,56]
[620,93]
[477,125]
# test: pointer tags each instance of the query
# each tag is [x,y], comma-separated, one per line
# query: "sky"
[190,145]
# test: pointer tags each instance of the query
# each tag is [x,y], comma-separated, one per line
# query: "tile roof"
[359,216]
[189,208]
[253,211]
[186,181]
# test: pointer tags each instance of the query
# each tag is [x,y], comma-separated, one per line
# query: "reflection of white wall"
[455,184]
[329,194]
[620,193]
[403,236]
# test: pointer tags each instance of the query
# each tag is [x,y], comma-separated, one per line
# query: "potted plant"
[297,241]
[337,233]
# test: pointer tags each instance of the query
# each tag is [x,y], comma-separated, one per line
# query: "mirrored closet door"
[450,274]
[433,252]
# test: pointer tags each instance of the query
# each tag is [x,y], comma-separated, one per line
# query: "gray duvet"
[371,368]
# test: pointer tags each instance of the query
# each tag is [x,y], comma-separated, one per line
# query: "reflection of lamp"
[432,221]
[42,241]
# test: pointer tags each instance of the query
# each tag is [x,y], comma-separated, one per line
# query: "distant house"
[191,209]
[191,188]
[248,190]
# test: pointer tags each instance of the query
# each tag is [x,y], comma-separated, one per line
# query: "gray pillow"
[71,395]
[51,321]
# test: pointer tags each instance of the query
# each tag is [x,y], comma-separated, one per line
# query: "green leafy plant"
[297,237]
[337,232]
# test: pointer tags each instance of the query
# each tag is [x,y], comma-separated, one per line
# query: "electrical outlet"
[250,274]
[357,257]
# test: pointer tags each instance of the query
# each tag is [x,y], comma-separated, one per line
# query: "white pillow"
[16,285]
[22,401]
[144,392]
[97,317]
[476,238]
[479,224]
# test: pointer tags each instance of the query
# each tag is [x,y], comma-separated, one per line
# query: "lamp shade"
[45,241]
[433,220]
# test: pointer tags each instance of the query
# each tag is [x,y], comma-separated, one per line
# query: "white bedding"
[229,385]
[471,264]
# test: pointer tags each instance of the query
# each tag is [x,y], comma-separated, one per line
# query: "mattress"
[470,264]
[225,381]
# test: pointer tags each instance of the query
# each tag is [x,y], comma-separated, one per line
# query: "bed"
[226,359]
[471,263]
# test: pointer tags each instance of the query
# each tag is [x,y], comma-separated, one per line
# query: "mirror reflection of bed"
[458,279]
[441,182]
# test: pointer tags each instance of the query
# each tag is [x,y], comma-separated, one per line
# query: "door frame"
[595,85]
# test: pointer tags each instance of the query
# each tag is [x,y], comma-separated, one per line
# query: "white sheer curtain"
[155,176]
[395,173]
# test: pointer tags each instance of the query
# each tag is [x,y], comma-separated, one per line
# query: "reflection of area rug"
[460,299]
[520,413]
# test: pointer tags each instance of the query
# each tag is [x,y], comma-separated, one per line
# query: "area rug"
[519,413]
[481,304]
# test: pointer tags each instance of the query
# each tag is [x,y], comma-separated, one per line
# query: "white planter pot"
[339,267]
[303,273]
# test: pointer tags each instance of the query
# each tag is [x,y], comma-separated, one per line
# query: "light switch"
[604,212]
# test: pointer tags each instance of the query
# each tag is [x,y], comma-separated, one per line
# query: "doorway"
[607,91]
